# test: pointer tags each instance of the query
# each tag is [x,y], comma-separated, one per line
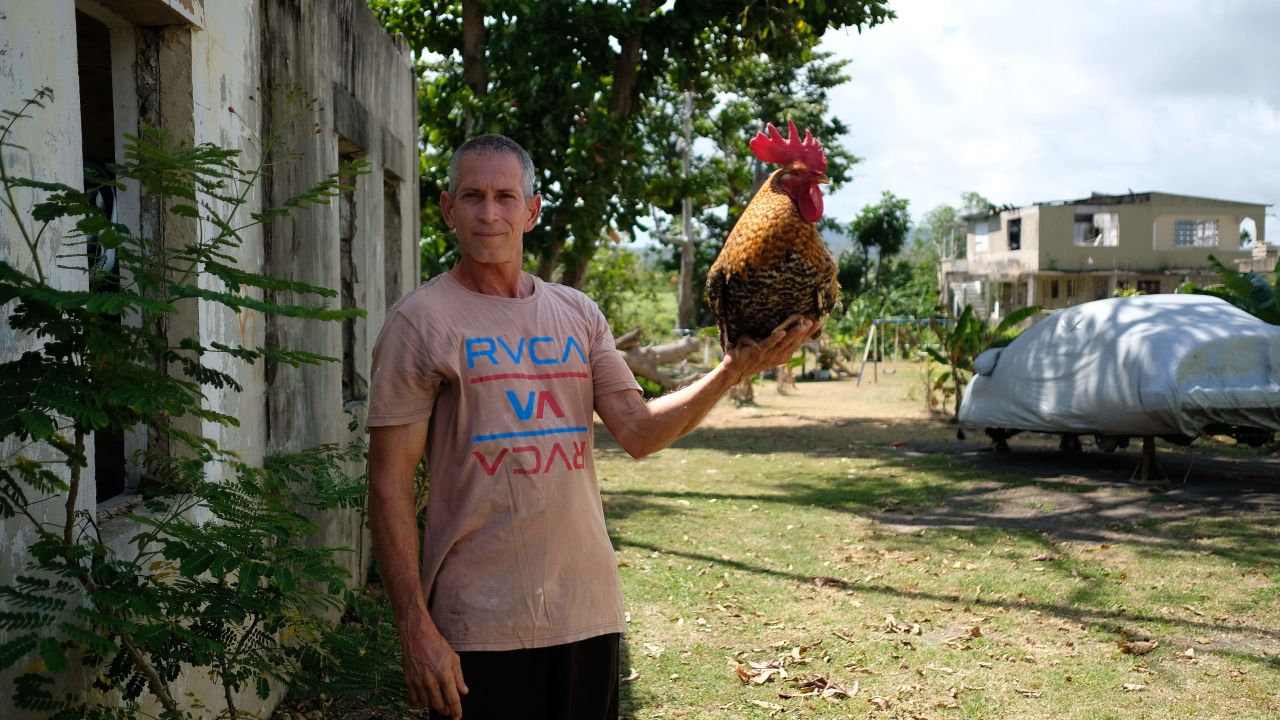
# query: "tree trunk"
[644,361]
[474,71]
[685,297]
[559,223]
[744,393]
[473,41]
[627,69]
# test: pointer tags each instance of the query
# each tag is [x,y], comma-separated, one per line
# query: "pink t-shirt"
[515,553]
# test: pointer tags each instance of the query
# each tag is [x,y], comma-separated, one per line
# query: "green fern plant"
[218,578]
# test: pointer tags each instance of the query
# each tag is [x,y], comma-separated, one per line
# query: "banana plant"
[963,339]
[1251,292]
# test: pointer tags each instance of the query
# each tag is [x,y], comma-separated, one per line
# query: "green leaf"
[14,650]
[91,640]
[38,425]
[54,657]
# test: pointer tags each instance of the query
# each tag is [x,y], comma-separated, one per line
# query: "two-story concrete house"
[1058,254]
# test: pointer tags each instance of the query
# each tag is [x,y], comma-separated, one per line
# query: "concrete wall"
[218,72]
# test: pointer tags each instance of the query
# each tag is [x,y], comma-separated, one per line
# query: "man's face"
[490,214]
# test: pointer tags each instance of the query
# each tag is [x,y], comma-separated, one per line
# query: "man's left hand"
[750,356]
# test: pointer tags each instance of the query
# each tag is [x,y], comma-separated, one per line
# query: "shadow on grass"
[1108,618]
[922,483]
[1227,508]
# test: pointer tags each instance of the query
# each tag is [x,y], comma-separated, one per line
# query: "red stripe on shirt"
[527,376]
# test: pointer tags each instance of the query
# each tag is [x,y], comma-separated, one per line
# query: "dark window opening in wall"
[391,228]
[1149,287]
[1099,289]
[98,141]
[1071,288]
[1096,229]
[354,387]
[1053,289]
[1015,234]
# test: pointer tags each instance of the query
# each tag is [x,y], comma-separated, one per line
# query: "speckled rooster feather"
[773,266]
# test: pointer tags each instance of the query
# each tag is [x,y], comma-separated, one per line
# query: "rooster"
[774,269]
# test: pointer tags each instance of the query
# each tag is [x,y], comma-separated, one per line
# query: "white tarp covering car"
[1145,365]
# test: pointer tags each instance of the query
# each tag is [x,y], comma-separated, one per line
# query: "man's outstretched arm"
[643,427]
[432,671]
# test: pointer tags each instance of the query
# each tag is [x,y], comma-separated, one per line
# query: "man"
[512,607]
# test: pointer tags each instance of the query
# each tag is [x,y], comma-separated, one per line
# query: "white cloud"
[1032,100]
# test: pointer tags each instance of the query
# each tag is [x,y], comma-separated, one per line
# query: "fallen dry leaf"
[759,673]
[1188,654]
[1044,557]
[767,705]
[820,687]
[894,625]
[653,651]
[630,678]
[844,637]
[1138,647]
[881,703]
[1027,693]
[1134,687]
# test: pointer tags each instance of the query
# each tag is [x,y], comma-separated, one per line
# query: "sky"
[1036,100]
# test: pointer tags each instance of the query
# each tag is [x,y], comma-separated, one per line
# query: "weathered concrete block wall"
[218,72]
[368,110]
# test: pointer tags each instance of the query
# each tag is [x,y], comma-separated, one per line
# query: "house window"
[1053,289]
[980,237]
[391,258]
[1071,288]
[1097,229]
[98,139]
[1015,234]
[1195,233]
[1100,289]
[351,251]
[1149,287]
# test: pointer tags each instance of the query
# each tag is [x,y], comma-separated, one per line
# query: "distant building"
[1262,260]
[1058,254]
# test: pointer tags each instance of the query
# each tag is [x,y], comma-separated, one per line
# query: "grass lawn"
[812,557]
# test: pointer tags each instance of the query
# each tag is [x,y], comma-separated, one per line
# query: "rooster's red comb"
[773,148]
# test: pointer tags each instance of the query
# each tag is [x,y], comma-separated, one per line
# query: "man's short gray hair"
[498,145]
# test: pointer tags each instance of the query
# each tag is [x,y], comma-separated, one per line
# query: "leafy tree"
[941,231]
[883,226]
[627,292]
[572,81]
[218,576]
[853,268]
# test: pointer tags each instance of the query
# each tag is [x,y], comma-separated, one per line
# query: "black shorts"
[575,681]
